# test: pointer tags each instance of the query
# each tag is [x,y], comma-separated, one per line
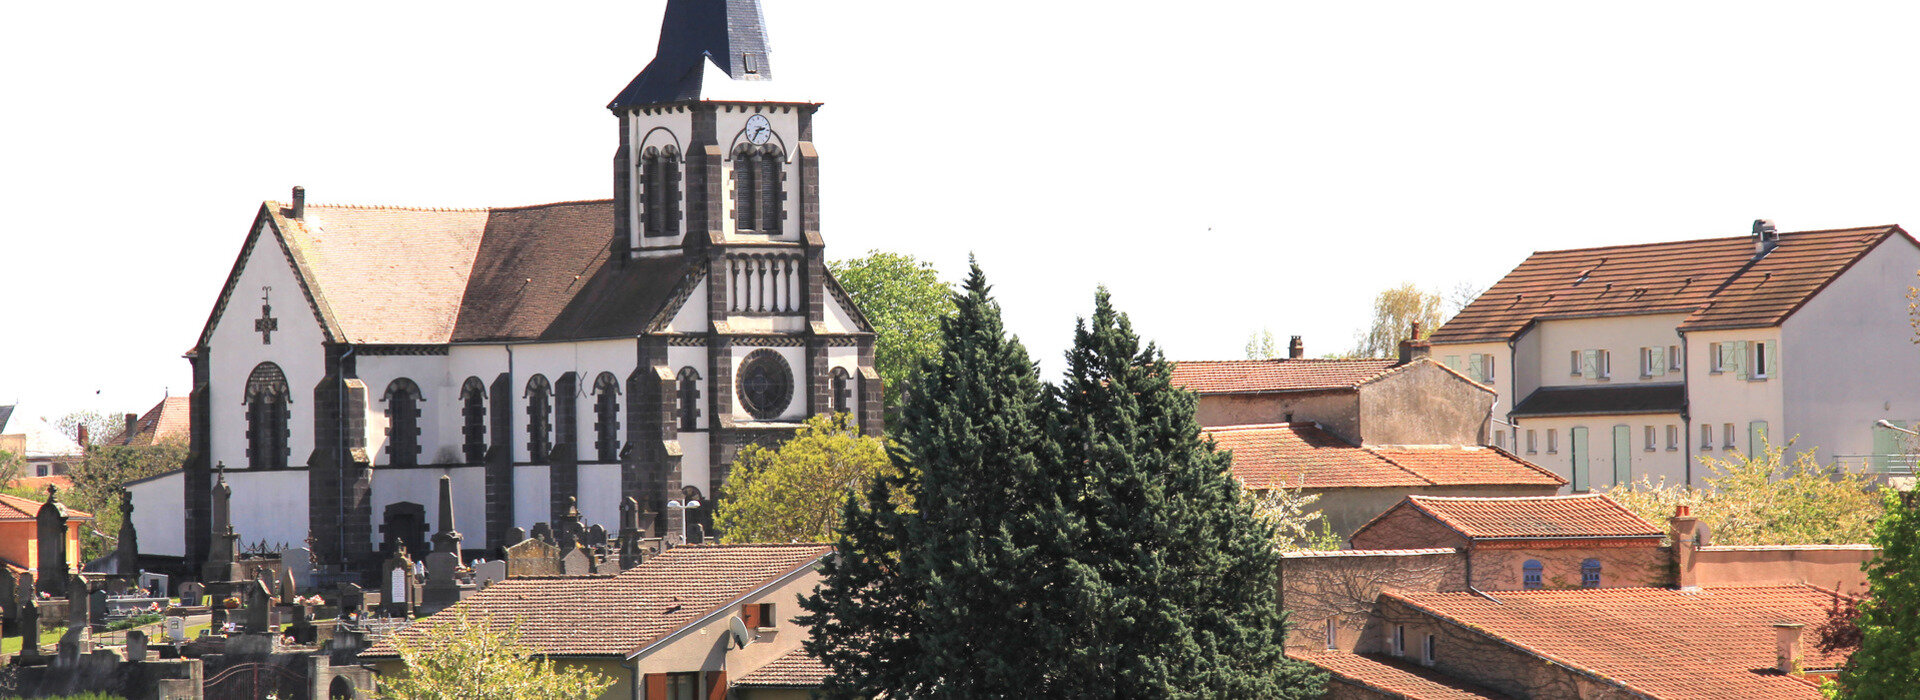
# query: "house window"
[1579,363]
[267,400]
[1533,444]
[1399,640]
[756,188]
[841,385]
[660,178]
[1726,432]
[606,417]
[566,413]
[1553,441]
[1673,438]
[1762,359]
[1651,442]
[689,398]
[1426,650]
[539,398]
[758,616]
[1673,358]
[403,423]
[1500,439]
[1479,367]
[473,417]
[1706,437]
[1530,574]
[1606,363]
[1590,573]
[1716,360]
[1333,639]
[1487,373]
[1592,364]
[673,686]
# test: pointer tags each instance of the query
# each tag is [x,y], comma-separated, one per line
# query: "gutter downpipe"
[1686,406]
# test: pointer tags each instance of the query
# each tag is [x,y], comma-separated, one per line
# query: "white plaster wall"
[837,319]
[797,362]
[1725,398]
[692,317]
[731,127]
[600,495]
[681,357]
[485,362]
[1656,466]
[532,495]
[437,399]
[656,130]
[1621,336]
[587,360]
[270,505]
[1503,371]
[696,459]
[235,349]
[1853,357]
[422,486]
[791,323]
[158,514]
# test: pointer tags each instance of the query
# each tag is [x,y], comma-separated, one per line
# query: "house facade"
[539,356]
[1619,363]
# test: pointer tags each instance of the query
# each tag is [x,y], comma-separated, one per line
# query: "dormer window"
[660,191]
[757,192]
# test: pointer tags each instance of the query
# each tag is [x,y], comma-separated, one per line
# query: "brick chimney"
[1296,349]
[299,202]
[1415,346]
[83,438]
[1685,529]
[133,419]
[1786,646]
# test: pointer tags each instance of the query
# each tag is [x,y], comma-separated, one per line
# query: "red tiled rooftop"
[16,508]
[794,669]
[1709,643]
[1261,376]
[1303,455]
[1714,281]
[1395,677]
[618,615]
[1589,515]
[167,420]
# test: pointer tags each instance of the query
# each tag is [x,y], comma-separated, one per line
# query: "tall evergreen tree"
[1887,665]
[1186,602]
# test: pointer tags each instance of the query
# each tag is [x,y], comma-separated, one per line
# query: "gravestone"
[259,607]
[299,560]
[490,572]
[533,558]
[29,616]
[596,536]
[542,532]
[76,601]
[126,553]
[9,612]
[73,644]
[398,595]
[630,533]
[352,598]
[303,632]
[193,593]
[576,563]
[51,534]
[156,585]
[136,646]
[286,588]
[218,617]
[97,610]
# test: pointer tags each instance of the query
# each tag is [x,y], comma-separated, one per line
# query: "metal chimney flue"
[1765,237]
[299,202]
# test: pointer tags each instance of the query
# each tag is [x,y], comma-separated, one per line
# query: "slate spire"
[730,33]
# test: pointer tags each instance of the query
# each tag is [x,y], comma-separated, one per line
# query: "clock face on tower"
[758,130]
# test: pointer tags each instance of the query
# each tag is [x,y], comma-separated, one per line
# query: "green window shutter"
[1475,369]
[1658,363]
[1773,358]
[1756,438]
[1579,438]
[1590,364]
[1453,362]
[1739,359]
[1622,455]
[1883,447]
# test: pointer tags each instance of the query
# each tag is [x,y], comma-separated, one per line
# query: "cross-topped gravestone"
[266,324]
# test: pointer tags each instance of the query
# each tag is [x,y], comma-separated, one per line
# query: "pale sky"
[1220,166]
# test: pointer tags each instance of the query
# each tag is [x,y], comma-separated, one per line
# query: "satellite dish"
[739,629]
[1705,534]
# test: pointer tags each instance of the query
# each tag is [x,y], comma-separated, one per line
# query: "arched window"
[842,387]
[473,416]
[403,422]
[689,398]
[1590,573]
[539,398]
[757,188]
[566,412]
[660,178]
[1530,574]
[267,399]
[606,417]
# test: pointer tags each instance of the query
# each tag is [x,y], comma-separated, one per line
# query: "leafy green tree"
[1296,526]
[1394,312]
[100,425]
[905,300]
[1201,616]
[1766,500]
[470,659]
[1262,346]
[12,466]
[794,493]
[1887,665]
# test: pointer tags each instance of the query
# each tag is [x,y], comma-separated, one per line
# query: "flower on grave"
[231,603]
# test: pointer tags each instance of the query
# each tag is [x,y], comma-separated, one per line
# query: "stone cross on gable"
[266,324]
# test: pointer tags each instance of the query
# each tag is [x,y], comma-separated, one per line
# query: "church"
[544,358]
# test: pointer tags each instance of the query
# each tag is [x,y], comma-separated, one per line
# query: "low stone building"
[1407,401]
[1585,541]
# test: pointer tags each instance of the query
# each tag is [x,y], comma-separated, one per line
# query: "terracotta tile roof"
[1394,677]
[1587,515]
[1302,455]
[618,615]
[1265,376]
[1316,553]
[167,420]
[1602,400]
[15,508]
[1705,643]
[793,669]
[1715,281]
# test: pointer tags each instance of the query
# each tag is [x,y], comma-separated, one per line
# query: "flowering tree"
[468,658]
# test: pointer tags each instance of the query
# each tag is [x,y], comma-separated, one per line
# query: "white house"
[538,355]
[1622,362]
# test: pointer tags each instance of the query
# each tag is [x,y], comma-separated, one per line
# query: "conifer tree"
[1186,603]
[1887,665]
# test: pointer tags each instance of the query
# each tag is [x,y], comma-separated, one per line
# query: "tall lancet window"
[403,423]
[688,398]
[473,416]
[660,190]
[840,384]
[566,412]
[539,398]
[757,174]
[606,413]
[267,399]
